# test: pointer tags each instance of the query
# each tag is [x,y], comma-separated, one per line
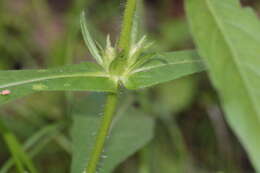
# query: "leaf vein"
[164,64]
[48,78]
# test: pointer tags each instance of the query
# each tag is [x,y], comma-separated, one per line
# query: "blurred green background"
[191,134]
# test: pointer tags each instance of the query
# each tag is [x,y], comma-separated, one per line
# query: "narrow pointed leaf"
[18,153]
[84,76]
[130,131]
[32,146]
[88,39]
[164,67]
[228,38]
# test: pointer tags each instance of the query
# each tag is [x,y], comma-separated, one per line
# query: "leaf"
[88,39]
[164,67]
[131,130]
[228,39]
[34,144]
[84,76]
[184,89]
[20,157]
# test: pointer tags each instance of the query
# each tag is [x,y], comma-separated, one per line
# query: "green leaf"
[164,67]
[20,157]
[88,39]
[130,131]
[34,144]
[228,39]
[84,76]
[184,91]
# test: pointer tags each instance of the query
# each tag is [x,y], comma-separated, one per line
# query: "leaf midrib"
[161,65]
[51,77]
[234,57]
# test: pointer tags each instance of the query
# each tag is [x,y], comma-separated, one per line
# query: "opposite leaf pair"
[134,70]
[128,64]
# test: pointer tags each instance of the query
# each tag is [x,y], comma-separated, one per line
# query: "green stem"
[125,36]
[109,111]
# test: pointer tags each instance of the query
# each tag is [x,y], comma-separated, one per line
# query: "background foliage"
[191,134]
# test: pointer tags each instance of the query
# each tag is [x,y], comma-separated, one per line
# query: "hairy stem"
[124,45]
[109,111]
[125,36]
